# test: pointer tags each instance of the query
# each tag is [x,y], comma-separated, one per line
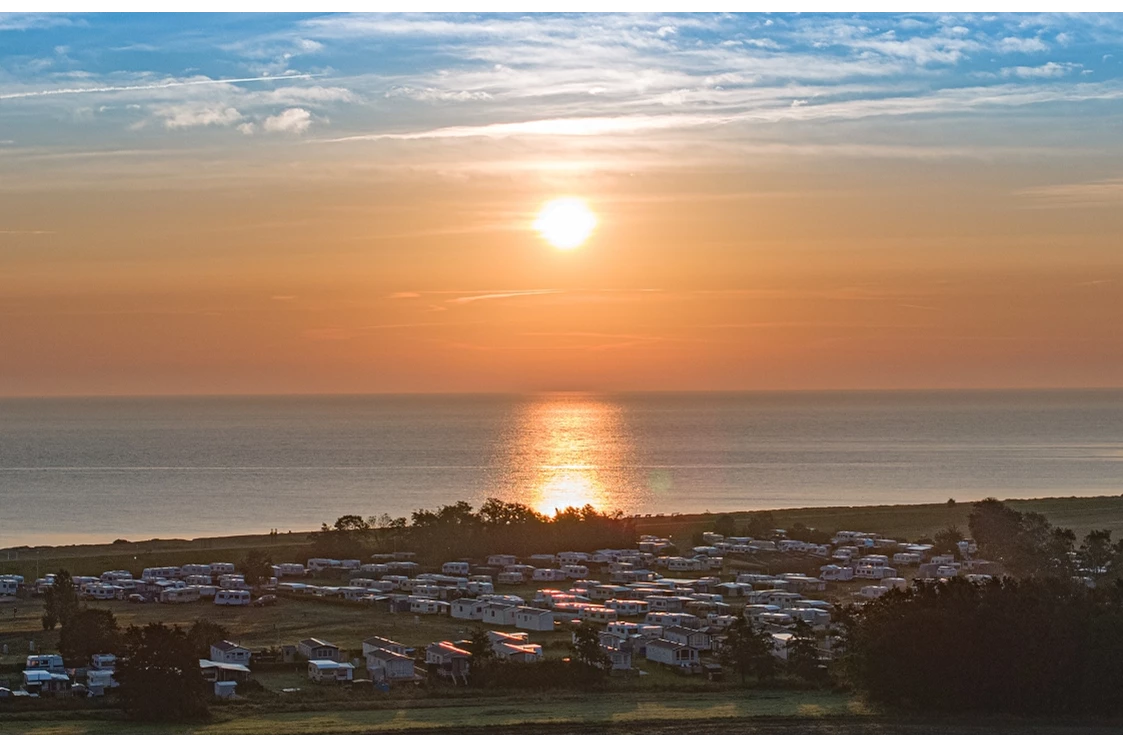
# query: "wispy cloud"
[149,86]
[1048,70]
[941,101]
[461,298]
[1098,193]
[178,117]
[579,126]
[27,21]
[496,295]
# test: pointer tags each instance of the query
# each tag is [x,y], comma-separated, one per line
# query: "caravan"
[232,597]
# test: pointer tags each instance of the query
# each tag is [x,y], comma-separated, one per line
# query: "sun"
[565,222]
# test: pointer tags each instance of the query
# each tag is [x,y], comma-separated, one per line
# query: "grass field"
[506,714]
[729,712]
[284,623]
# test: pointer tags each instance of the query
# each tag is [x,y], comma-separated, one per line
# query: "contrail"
[152,86]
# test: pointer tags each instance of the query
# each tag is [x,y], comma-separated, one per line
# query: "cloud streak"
[505,295]
[151,86]
[1099,193]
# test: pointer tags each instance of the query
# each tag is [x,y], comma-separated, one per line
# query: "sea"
[78,470]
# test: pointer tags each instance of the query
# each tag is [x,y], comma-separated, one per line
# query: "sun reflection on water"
[571,450]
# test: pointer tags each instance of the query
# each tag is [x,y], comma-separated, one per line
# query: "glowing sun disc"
[565,222]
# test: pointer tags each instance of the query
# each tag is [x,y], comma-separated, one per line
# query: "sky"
[195,204]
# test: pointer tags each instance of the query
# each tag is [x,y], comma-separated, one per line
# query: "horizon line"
[529,392]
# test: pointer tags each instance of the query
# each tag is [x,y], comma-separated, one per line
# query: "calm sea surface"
[99,469]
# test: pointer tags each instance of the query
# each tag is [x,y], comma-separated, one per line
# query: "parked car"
[264,600]
[137,598]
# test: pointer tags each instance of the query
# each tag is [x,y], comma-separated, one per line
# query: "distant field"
[910,521]
[906,521]
[94,559]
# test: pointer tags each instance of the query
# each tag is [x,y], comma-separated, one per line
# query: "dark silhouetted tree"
[495,513]
[160,676]
[481,648]
[946,541]
[203,633]
[725,525]
[800,531]
[1026,544]
[351,523]
[1038,645]
[761,525]
[803,654]
[88,632]
[587,652]
[256,567]
[349,537]
[60,601]
[748,650]
[1096,552]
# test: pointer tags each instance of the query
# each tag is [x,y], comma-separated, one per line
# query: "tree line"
[458,531]
[1029,646]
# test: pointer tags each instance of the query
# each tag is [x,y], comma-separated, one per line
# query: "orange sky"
[439,286]
[965,249]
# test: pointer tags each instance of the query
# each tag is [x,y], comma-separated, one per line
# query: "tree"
[203,633]
[388,532]
[1096,552]
[348,537]
[496,513]
[761,525]
[257,567]
[385,522]
[1026,544]
[800,531]
[587,651]
[725,525]
[748,650]
[481,648]
[946,541]
[351,523]
[159,675]
[803,654]
[60,601]
[88,632]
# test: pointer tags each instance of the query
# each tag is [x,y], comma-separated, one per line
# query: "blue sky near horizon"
[811,200]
